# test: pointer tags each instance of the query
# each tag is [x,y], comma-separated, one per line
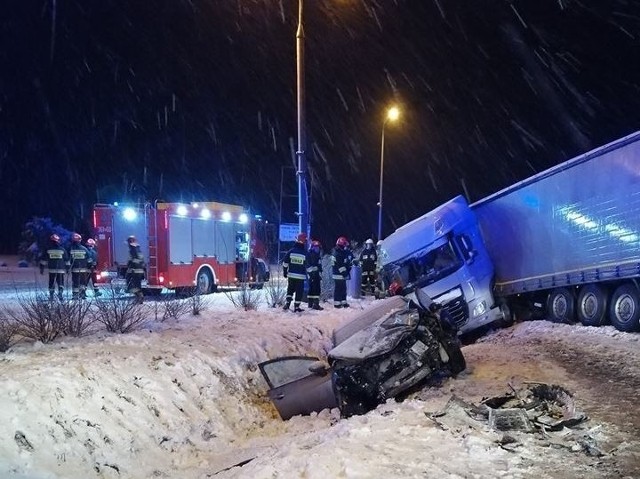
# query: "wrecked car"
[377,356]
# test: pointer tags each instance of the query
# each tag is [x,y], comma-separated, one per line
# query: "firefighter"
[314,270]
[56,259]
[135,269]
[341,261]
[295,270]
[79,257]
[368,261]
[93,264]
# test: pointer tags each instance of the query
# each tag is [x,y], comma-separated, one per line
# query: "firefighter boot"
[316,305]
[286,305]
[139,297]
[51,293]
[60,294]
[297,308]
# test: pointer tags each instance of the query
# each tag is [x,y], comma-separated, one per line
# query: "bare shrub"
[121,315]
[174,308]
[198,303]
[8,332]
[245,297]
[275,291]
[78,317]
[38,318]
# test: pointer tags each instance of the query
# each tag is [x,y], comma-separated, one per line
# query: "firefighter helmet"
[132,240]
[76,237]
[369,241]
[301,238]
[342,241]
[55,238]
[91,242]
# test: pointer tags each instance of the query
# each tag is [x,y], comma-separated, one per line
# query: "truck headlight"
[480,308]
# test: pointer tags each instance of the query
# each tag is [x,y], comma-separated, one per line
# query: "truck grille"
[458,311]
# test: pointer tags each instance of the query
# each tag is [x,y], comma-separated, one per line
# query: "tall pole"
[381,179]
[303,204]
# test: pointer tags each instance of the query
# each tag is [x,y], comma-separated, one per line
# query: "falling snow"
[111,101]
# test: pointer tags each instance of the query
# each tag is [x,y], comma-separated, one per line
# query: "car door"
[294,389]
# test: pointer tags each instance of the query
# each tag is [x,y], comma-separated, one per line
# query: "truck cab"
[442,253]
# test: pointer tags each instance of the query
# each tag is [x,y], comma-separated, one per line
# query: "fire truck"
[185,245]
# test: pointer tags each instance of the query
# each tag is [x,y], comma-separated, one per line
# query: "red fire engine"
[184,245]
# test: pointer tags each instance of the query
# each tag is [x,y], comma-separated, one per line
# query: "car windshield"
[423,267]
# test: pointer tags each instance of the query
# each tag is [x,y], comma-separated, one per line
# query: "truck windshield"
[423,267]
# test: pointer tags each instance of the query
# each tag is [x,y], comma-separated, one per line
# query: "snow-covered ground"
[184,399]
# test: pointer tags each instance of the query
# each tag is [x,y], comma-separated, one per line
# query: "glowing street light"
[393,114]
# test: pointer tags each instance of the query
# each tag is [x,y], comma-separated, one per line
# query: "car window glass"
[285,370]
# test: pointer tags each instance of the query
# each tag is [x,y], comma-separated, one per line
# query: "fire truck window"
[203,237]
[225,242]
[242,246]
[180,240]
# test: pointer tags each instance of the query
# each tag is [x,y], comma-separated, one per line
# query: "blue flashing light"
[129,214]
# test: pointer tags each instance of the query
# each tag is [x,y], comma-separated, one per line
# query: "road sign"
[289,231]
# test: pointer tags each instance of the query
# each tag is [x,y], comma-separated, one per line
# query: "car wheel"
[561,306]
[624,309]
[592,305]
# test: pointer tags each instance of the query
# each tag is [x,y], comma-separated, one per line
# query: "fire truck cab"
[185,246]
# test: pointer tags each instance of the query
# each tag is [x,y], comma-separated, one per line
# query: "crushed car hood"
[379,338]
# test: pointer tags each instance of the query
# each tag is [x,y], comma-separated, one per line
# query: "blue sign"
[289,231]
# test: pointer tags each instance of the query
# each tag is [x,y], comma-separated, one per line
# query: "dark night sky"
[187,100]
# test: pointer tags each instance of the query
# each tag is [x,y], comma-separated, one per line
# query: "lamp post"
[392,115]
[303,203]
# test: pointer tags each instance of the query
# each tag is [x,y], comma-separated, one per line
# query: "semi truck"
[563,244]
[185,245]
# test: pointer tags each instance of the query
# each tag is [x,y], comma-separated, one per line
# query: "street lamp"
[392,115]
[303,203]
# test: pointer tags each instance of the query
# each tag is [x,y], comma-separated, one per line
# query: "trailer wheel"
[561,306]
[205,281]
[592,305]
[624,309]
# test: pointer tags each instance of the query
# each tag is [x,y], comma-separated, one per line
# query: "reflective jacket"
[314,262]
[79,257]
[294,264]
[93,258]
[55,259]
[135,265]
[341,261]
[368,259]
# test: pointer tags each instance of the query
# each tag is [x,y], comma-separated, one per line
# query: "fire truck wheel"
[205,281]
